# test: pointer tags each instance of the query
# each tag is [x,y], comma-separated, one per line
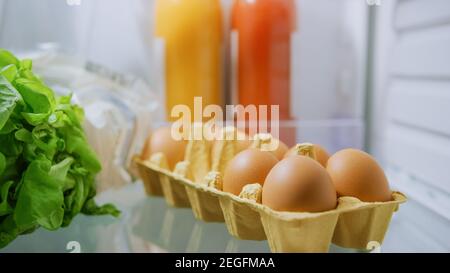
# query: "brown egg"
[321,154]
[281,150]
[299,184]
[248,167]
[243,144]
[356,173]
[161,141]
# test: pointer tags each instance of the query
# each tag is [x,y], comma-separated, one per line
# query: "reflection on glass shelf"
[84,230]
[176,230]
[147,224]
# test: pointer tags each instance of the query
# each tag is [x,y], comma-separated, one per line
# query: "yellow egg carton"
[196,182]
[158,181]
[149,176]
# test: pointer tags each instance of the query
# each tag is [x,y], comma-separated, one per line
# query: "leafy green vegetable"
[9,72]
[7,58]
[40,198]
[9,97]
[5,208]
[2,163]
[47,168]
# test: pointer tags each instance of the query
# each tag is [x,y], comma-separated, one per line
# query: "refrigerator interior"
[368,74]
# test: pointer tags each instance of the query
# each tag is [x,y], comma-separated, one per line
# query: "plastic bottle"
[191,31]
[262,34]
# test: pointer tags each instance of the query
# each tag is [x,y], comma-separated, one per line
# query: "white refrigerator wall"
[411,111]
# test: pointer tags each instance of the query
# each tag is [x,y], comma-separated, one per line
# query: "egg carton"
[149,176]
[353,224]
[158,183]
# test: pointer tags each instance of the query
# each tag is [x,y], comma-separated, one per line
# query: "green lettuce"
[47,168]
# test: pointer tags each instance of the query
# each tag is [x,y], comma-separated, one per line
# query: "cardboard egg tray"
[353,224]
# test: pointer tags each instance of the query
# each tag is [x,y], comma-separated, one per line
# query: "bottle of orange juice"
[191,34]
[262,35]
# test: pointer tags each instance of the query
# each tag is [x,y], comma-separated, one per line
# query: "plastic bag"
[119,110]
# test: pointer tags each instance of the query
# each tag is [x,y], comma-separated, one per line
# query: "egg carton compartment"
[298,232]
[160,182]
[174,192]
[150,178]
[242,220]
[365,222]
[205,205]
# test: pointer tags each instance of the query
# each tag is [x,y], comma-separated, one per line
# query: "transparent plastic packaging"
[119,110]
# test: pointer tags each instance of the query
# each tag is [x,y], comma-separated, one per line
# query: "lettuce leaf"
[5,208]
[9,72]
[2,163]
[37,96]
[9,97]
[7,58]
[47,168]
[40,200]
